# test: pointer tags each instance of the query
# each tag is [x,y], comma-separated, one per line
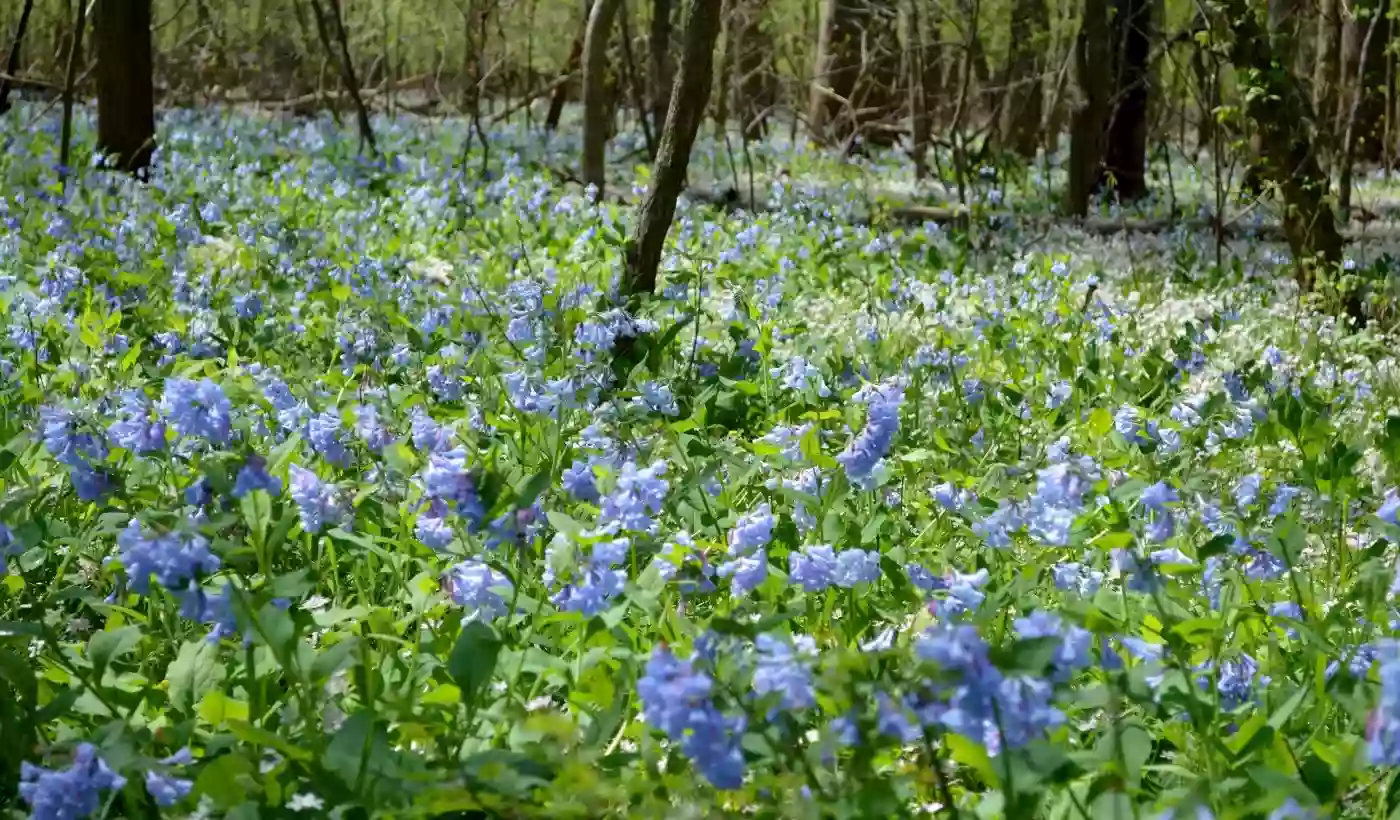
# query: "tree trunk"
[126,122]
[70,79]
[1025,97]
[725,47]
[1280,113]
[1092,51]
[836,66]
[659,63]
[917,73]
[1365,100]
[346,65]
[1327,68]
[13,61]
[597,111]
[754,93]
[561,91]
[688,103]
[1362,112]
[1125,153]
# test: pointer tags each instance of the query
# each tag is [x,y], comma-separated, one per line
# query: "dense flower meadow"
[352,488]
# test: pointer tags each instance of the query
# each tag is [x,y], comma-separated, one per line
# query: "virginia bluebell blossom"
[197,409]
[323,431]
[1283,496]
[1247,490]
[429,436]
[1072,652]
[856,566]
[785,668]
[748,572]
[480,590]
[813,568]
[589,582]
[578,481]
[996,529]
[70,793]
[798,374]
[432,527]
[752,531]
[253,475]
[881,424]
[138,428]
[446,477]
[1389,510]
[316,502]
[636,496]
[677,699]
[657,398]
[175,560]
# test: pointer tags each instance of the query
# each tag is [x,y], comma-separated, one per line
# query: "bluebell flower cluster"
[588,582]
[480,590]
[316,501]
[975,699]
[70,793]
[636,496]
[748,554]
[881,424]
[198,409]
[678,700]
[784,667]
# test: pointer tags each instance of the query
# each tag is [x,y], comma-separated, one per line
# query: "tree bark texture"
[65,138]
[12,62]
[755,93]
[561,91]
[597,109]
[1327,67]
[1125,153]
[1363,65]
[126,122]
[1092,51]
[1280,113]
[1025,97]
[659,68]
[917,73]
[325,22]
[689,97]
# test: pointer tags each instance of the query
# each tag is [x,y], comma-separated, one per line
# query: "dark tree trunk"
[1025,98]
[597,108]
[659,63]
[12,62]
[1092,51]
[1125,153]
[126,122]
[1362,112]
[1327,68]
[70,80]
[325,22]
[1280,113]
[754,93]
[688,103]
[917,73]
[561,91]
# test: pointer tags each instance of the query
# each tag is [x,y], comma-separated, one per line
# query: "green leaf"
[105,647]
[530,490]
[473,660]
[195,672]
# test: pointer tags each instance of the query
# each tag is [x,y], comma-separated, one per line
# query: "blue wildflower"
[316,502]
[447,478]
[174,559]
[138,428]
[813,568]
[1247,490]
[478,589]
[323,430]
[1389,510]
[166,789]
[637,495]
[253,475]
[578,481]
[881,423]
[855,566]
[785,669]
[1283,496]
[432,527]
[677,700]
[197,409]
[748,571]
[752,531]
[70,793]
